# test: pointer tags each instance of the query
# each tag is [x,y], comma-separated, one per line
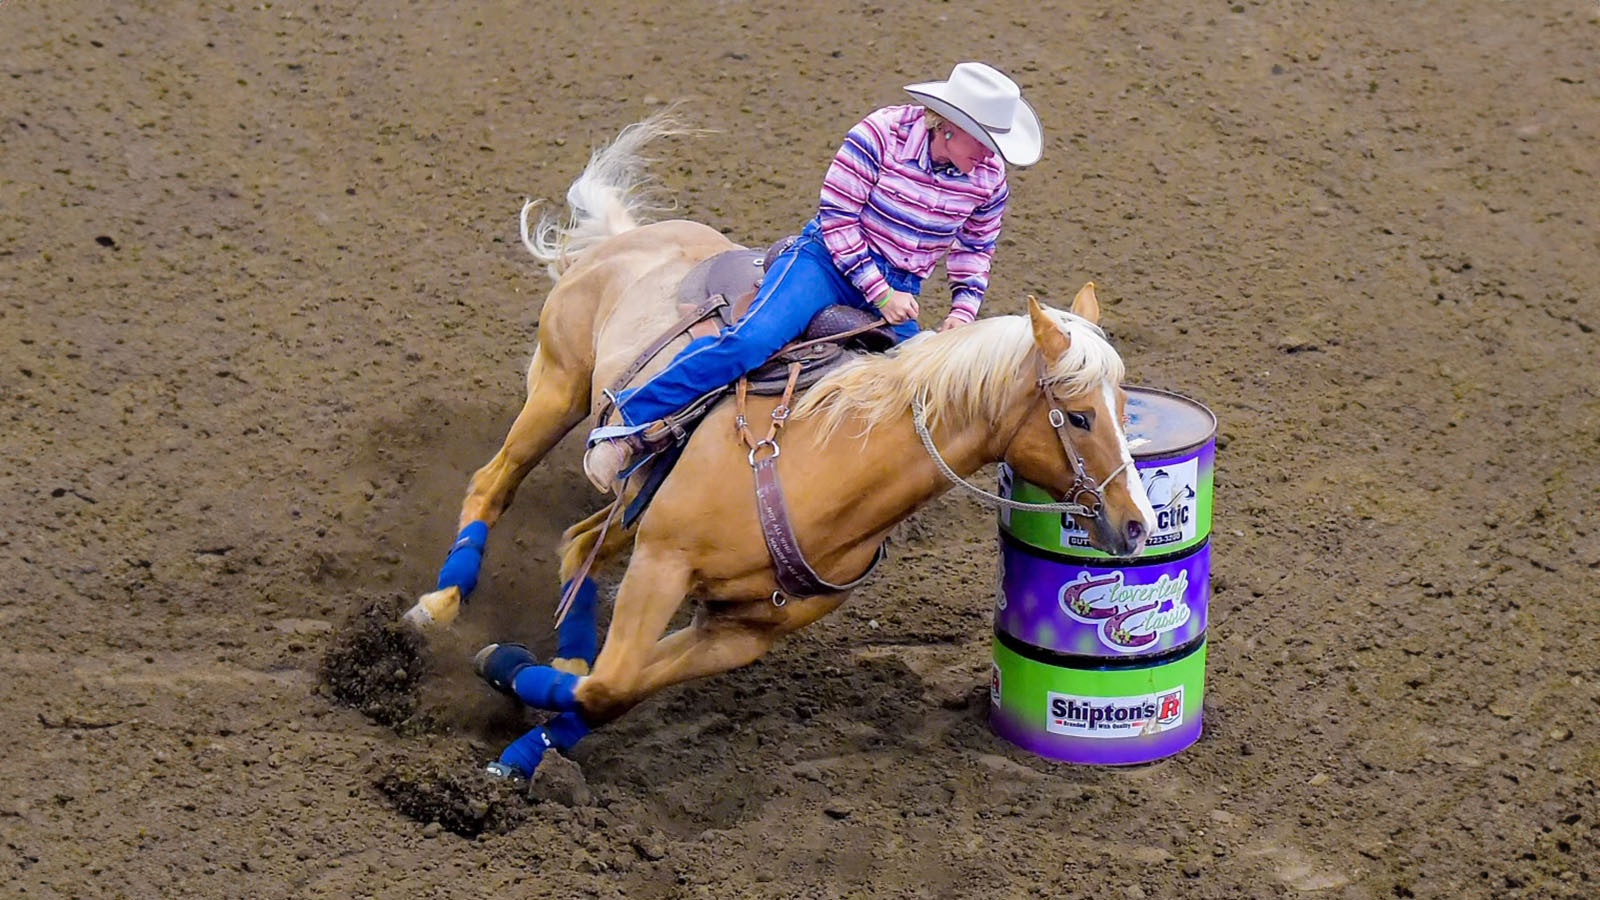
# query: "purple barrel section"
[1078,608]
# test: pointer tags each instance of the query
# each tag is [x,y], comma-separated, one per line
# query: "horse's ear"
[1087,303]
[1049,337]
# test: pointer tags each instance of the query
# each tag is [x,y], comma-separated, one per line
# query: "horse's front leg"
[718,641]
[558,398]
[650,593]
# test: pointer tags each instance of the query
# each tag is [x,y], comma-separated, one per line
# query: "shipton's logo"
[1114,717]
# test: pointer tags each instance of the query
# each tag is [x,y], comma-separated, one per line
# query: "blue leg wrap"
[501,665]
[578,637]
[560,733]
[542,687]
[460,568]
[566,730]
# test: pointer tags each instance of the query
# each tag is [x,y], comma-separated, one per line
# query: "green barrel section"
[1173,440]
[1107,716]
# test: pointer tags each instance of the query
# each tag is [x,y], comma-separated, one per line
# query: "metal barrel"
[1098,659]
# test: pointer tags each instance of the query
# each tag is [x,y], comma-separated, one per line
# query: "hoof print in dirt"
[376,665]
[456,795]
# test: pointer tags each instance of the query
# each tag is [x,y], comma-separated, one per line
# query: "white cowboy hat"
[980,100]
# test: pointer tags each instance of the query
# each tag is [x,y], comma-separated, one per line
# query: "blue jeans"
[802,282]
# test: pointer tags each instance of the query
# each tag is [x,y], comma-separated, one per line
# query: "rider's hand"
[899,307]
[952,321]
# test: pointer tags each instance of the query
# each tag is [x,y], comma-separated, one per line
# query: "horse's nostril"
[1135,530]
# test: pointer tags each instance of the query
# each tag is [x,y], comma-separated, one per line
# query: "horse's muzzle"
[1124,540]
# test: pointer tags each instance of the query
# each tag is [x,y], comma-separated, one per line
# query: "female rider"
[911,185]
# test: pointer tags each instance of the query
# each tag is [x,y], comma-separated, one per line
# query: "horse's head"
[1072,442]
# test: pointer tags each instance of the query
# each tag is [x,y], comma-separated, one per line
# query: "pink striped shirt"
[882,194]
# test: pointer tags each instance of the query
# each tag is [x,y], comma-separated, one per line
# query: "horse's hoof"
[418,617]
[435,608]
[498,664]
[498,769]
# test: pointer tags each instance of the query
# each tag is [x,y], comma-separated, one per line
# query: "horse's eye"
[1078,420]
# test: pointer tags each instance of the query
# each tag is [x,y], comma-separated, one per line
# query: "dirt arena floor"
[263,310]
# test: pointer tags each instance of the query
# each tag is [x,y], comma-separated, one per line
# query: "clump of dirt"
[457,794]
[377,665]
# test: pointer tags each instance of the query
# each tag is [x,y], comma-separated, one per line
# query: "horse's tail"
[613,195]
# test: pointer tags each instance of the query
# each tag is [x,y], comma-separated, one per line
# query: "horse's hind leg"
[718,642]
[650,593]
[579,540]
[558,398]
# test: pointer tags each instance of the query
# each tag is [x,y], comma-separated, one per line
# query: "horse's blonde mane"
[968,374]
[614,194]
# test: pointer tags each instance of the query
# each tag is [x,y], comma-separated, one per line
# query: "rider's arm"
[845,191]
[970,257]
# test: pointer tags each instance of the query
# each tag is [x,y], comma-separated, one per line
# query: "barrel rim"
[1209,437]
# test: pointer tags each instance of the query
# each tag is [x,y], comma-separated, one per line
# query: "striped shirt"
[882,194]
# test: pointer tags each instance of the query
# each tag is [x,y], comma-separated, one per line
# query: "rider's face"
[960,149]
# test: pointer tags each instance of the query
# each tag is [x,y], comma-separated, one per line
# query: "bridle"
[1082,485]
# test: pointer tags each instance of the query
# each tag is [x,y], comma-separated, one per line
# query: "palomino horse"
[1040,392]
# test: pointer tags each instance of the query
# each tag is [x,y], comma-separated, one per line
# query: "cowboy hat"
[980,100]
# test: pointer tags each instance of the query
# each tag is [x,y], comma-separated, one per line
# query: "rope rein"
[919,418]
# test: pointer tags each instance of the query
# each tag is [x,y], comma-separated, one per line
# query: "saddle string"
[571,593]
[780,415]
[919,418]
